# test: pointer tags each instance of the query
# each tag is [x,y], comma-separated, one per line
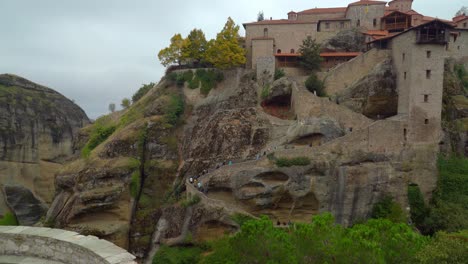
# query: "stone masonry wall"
[345,74]
[60,245]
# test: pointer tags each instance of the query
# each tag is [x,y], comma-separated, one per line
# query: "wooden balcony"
[396,26]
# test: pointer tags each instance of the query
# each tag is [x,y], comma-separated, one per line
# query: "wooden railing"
[394,26]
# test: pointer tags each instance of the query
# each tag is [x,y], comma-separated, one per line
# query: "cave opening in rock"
[313,139]
[212,230]
[279,106]
[272,177]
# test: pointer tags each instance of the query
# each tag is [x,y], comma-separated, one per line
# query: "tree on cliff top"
[194,46]
[173,53]
[310,54]
[225,51]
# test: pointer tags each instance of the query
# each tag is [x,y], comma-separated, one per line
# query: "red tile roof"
[367,2]
[287,54]
[335,19]
[459,18]
[323,54]
[279,22]
[324,10]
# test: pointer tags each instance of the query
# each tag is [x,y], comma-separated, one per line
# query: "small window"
[341,24]
[428,74]
[358,23]
[405,134]
[404,56]
[464,25]
[350,129]
[292,51]
[426,98]
[375,22]
[327,25]
[426,121]
[404,75]
[428,53]
[278,51]
[265,32]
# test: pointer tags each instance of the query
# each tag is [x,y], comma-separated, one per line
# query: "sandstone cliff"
[133,189]
[38,127]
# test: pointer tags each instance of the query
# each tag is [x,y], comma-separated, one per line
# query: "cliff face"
[133,188]
[38,127]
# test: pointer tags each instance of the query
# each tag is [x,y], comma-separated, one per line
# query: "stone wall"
[61,246]
[340,77]
[366,14]
[265,69]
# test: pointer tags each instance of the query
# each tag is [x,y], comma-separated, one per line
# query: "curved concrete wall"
[60,246]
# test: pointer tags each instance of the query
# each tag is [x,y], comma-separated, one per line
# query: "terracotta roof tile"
[340,54]
[324,10]
[367,2]
[287,54]
[279,22]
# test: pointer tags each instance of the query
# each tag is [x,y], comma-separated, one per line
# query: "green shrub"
[180,80]
[279,73]
[98,135]
[194,83]
[142,91]
[172,77]
[462,74]
[389,209]
[418,209]
[174,109]
[192,201]
[313,84]
[444,248]
[208,79]
[187,75]
[241,219]
[8,219]
[265,91]
[177,255]
[299,161]
[135,184]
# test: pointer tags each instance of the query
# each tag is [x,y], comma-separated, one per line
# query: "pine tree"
[310,54]
[225,51]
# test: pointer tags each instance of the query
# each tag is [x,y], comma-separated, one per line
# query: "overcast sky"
[100,51]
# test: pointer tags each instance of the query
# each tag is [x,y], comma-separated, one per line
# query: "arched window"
[265,32]
[278,51]
[292,51]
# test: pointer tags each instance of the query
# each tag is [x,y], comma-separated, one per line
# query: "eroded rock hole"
[279,106]
[314,139]
[273,177]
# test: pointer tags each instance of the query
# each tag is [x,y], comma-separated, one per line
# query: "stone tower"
[401,5]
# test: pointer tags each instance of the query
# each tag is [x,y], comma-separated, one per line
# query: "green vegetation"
[445,248]
[321,241]
[195,51]
[98,135]
[279,73]
[142,91]
[192,201]
[241,219]
[418,209]
[462,75]
[298,161]
[313,84]
[265,91]
[208,79]
[174,109]
[8,219]
[310,54]
[135,184]
[125,103]
[389,209]
[177,255]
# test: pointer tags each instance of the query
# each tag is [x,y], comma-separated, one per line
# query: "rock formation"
[38,127]
[133,188]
